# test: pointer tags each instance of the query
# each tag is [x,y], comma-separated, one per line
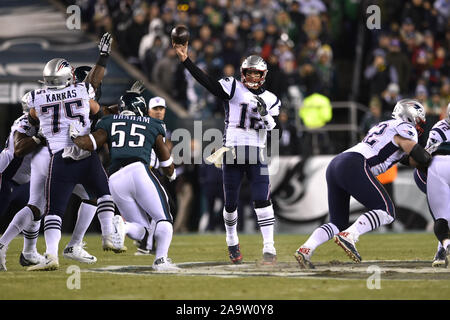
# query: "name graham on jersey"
[51,97]
[138,118]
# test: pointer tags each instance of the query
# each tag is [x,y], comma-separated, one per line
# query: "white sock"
[52,233]
[163,237]
[446,243]
[134,230]
[369,221]
[30,236]
[230,220]
[21,220]
[438,248]
[266,221]
[86,213]
[321,235]
[105,214]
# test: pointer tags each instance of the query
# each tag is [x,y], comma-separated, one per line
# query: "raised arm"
[95,76]
[205,80]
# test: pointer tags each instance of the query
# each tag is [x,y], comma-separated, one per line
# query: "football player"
[353,173]
[250,112]
[15,166]
[39,172]
[440,133]
[138,194]
[60,103]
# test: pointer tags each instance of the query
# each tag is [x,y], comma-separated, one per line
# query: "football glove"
[39,137]
[137,87]
[261,105]
[75,129]
[105,44]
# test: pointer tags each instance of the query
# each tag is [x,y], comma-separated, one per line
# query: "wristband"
[102,59]
[166,163]
[94,143]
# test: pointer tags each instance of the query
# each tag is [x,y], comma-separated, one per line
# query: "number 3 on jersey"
[371,138]
[122,132]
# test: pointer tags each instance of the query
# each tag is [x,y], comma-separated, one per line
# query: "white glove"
[105,44]
[173,176]
[217,157]
[75,129]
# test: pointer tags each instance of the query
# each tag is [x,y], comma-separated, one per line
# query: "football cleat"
[164,264]
[269,259]
[269,256]
[303,257]
[142,246]
[346,242]
[439,259]
[51,263]
[3,249]
[234,252]
[115,241]
[78,253]
[30,258]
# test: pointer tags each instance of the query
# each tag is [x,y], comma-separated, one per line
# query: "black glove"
[105,44]
[261,105]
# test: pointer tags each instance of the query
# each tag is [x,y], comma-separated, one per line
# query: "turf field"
[404,262]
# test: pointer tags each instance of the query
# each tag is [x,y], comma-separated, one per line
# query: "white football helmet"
[411,111]
[58,74]
[253,63]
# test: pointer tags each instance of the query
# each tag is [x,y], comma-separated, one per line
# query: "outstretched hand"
[181,50]
[261,105]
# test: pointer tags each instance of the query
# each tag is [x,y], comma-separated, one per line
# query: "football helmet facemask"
[411,111]
[257,63]
[132,103]
[58,74]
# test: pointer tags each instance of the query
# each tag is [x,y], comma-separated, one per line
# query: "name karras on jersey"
[52,97]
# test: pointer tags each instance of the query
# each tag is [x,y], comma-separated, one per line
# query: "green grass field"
[17,283]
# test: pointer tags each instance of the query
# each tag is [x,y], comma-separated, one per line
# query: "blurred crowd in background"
[310,48]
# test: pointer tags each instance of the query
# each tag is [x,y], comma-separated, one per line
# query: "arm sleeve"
[206,81]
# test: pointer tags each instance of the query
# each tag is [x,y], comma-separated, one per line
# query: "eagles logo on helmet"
[256,63]
[132,103]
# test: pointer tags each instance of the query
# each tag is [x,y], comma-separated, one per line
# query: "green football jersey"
[130,138]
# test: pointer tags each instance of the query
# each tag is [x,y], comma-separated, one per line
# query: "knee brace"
[441,229]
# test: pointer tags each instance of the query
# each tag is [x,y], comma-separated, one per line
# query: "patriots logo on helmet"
[63,64]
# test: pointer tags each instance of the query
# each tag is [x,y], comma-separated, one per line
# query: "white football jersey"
[56,109]
[243,124]
[439,133]
[17,169]
[379,147]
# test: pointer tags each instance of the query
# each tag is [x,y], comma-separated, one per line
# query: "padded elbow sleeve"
[419,154]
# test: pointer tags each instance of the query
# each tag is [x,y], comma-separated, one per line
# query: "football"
[180,34]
